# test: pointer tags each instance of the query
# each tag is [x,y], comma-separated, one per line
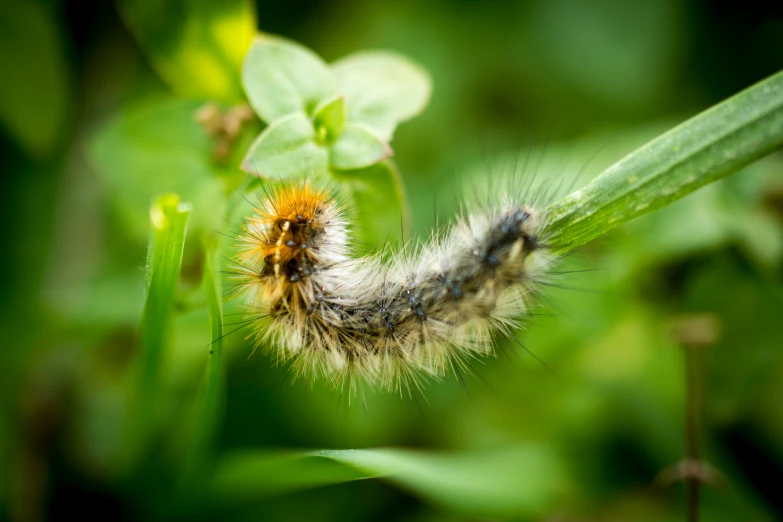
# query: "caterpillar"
[389,322]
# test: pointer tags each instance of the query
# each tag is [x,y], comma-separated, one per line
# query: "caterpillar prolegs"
[425,312]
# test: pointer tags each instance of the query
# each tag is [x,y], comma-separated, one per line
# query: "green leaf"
[157,147]
[356,148]
[196,47]
[252,474]
[710,146]
[721,214]
[382,89]
[378,196]
[169,218]
[287,149]
[35,88]
[209,403]
[282,77]
[329,119]
[517,481]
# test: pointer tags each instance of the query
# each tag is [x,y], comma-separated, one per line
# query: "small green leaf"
[329,119]
[378,196]
[196,47]
[382,89]
[35,87]
[168,218]
[287,149]
[282,77]
[356,148]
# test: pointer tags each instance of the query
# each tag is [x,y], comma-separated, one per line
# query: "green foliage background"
[97,117]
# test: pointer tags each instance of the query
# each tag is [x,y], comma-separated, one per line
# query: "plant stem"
[209,403]
[169,219]
[695,334]
[694,390]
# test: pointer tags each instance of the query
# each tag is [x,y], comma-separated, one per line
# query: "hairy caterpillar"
[424,312]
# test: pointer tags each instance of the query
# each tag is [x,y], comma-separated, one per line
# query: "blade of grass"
[494,483]
[708,147]
[169,221]
[209,404]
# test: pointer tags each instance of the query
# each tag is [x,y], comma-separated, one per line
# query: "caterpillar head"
[294,230]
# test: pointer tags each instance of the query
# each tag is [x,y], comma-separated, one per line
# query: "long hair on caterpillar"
[390,320]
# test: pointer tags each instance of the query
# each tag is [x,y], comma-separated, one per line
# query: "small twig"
[694,333]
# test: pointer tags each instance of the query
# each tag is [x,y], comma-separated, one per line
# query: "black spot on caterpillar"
[425,312]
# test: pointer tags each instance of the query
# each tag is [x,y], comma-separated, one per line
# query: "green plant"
[335,122]
[713,144]
[325,118]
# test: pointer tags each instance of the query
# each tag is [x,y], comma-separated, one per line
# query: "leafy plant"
[707,147]
[336,122]
[325,118]
[713,144]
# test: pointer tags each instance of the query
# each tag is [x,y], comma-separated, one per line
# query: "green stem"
[209,403]
[694,390]
[708,147]
[169,219]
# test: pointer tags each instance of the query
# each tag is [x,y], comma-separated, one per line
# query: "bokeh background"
[596,401]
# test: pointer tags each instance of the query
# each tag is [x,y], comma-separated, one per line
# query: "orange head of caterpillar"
[294,230]
[285,227]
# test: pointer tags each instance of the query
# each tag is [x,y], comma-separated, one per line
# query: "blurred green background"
[96,113]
